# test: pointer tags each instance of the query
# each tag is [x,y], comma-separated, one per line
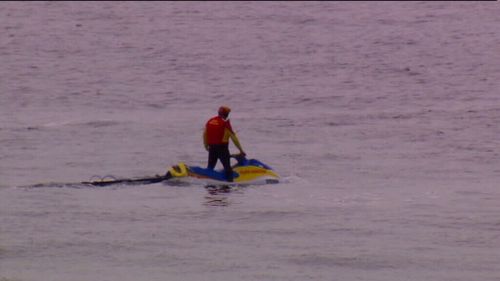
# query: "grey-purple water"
[382,118]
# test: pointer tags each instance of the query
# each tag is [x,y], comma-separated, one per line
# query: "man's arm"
[236,142]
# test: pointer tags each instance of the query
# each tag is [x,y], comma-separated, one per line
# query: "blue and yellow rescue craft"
[246,171]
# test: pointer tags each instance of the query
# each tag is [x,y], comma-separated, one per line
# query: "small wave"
[93,123]
[8,279]
[293,179]
[101,123]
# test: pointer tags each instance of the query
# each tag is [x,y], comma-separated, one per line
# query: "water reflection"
[218,195]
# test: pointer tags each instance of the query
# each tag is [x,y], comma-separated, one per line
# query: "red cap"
[224,110]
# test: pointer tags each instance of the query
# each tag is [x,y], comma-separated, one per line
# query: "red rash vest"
[216,131]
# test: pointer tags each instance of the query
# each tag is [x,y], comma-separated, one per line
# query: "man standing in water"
[216,140]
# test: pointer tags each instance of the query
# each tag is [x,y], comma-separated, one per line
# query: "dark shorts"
[220,152]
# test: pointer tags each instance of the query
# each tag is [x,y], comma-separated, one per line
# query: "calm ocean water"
[382,118]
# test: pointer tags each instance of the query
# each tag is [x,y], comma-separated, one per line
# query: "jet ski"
[245,171]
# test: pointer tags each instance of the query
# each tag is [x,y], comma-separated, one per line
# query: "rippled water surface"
[381,118]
